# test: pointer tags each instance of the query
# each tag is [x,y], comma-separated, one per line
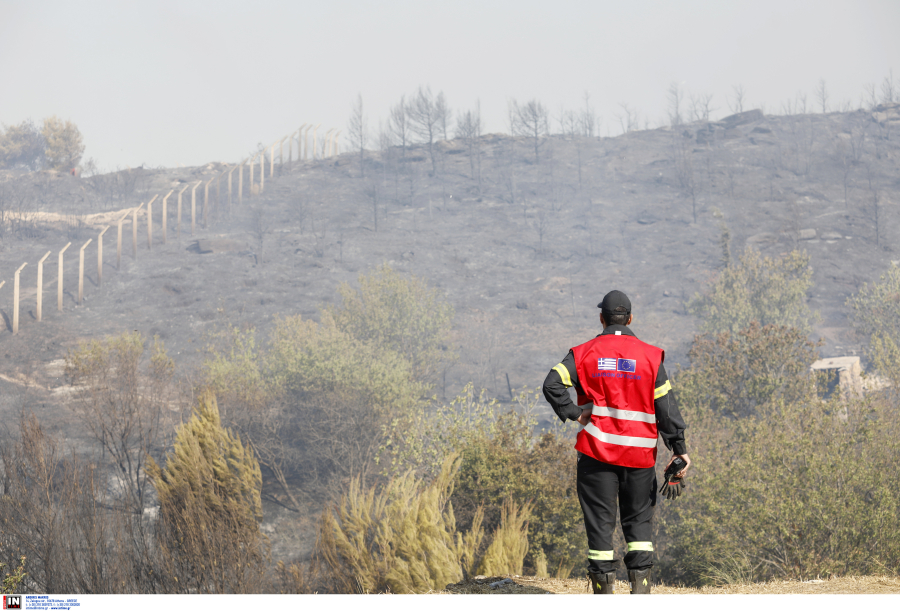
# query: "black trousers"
[600,486]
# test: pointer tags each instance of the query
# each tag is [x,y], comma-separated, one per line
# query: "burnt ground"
[524,262]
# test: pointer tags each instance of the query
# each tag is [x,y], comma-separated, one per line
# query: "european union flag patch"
[626,365]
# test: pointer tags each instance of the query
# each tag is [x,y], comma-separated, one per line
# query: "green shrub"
[736,373]
[876,316]
[757,289]
[400,314]
[64,145]
[12,581]
[800,490]
[22,145]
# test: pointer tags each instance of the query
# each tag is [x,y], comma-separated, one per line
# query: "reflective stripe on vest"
[619,440]
[623,414]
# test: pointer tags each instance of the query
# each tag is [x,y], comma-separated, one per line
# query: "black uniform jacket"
[669,422]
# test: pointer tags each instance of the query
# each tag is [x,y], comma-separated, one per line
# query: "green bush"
[800,490]
[876,316]
[400,314]
[757,289]
[736,373]
[64,145]
[22,145]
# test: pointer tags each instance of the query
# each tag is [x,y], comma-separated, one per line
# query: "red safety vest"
[617,374]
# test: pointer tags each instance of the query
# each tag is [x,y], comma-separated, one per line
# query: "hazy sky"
[163,83]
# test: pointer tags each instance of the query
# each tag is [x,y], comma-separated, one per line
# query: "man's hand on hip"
[585,417]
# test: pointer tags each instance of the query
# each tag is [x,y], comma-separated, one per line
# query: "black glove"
[672,486]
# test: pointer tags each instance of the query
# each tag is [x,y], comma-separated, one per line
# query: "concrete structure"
[847,373]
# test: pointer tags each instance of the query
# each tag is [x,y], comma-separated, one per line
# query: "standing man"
[623,384]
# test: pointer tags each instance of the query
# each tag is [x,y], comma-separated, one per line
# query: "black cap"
[613,300]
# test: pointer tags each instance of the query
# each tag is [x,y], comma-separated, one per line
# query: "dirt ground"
[534,585]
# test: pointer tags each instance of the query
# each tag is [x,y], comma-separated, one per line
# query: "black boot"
[603,583]
[640,581]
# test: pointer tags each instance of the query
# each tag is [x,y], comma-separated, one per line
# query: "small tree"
[425,118]
[468,129]
[737,373]
[22,145]
[358,130]
[401,314]
[876,315]
[760,289]
[531,119]
[64,145]
[738,97]
[121,405]
[676,99]
[822,95]
[399,125]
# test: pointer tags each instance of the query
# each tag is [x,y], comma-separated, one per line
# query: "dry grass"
[536,585]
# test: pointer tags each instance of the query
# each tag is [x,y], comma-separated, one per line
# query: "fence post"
[81,271]
[336,149]
[194,205]
[179,210]
[150,223]
[218,200]
[262,170]
[326,146]
[241,183]
[314,129]
[230,172]
[119,244]
[281,153]
[206,201]
[272,160]
[315,140]
[252,164]
[40,285]
[100,256]
[134,231]
[300,142]
[16,299]
[165,216]
[59,277]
